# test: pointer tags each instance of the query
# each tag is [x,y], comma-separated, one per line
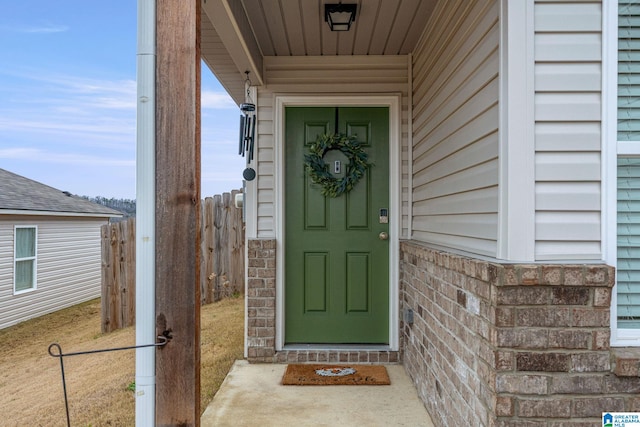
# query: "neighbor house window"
[25,250]
[626,307]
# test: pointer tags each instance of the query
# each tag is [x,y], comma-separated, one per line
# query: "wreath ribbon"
[319,172]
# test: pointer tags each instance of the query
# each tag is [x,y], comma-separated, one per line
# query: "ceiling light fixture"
[340,16]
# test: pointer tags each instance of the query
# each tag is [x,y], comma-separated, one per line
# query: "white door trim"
[393,102]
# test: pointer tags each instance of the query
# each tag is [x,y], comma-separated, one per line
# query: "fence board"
[118,275]
[222,263]
[208,234]
[236,247]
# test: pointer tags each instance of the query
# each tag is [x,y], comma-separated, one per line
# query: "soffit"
[239,33]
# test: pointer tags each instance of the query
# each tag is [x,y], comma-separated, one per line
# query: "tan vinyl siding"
[567,129]
[68,266]
[225,69]
[455,124]
[341,75]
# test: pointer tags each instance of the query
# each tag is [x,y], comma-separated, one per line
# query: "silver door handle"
[383,235]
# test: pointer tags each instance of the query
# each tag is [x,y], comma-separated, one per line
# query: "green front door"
[336,261]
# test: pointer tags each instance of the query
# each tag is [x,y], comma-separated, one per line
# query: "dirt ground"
[99,386]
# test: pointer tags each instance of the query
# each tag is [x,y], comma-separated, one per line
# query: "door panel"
[336,267]
[316,287]
[358,283]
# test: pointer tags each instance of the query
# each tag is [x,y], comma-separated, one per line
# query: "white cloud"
[216,100]
[41,29]
[36,154]
[69,109]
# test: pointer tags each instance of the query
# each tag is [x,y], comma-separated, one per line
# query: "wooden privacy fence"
[222,261]
[222,266]
[118,298]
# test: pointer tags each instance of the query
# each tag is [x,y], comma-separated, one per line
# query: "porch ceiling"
[238,34]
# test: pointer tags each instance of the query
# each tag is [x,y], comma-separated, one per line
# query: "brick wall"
[261,300]
[512,345]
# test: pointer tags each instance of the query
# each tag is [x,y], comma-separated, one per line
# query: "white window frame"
[611,150]
[33,258]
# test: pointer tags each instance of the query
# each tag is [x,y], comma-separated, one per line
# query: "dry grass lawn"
[98,385]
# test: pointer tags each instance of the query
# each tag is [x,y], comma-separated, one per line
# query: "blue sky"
[68,100]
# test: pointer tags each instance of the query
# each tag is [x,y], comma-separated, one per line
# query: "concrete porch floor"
[251,395]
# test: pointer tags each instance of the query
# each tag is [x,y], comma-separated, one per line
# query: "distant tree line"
[126,206]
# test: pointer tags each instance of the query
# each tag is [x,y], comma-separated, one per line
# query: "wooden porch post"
[178,211]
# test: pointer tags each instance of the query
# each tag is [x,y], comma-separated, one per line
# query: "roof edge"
[53,213]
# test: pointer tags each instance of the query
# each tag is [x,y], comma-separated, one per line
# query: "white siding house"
[49,249]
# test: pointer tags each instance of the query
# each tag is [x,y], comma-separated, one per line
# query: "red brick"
[510,276]
[265,332]
[590,317]
[256,262]
[253,323]
[522,384]
[570,339]
[552,275]
[269,244]
[544,316]
[591,362]
[256,302]
[266,272]
[528,275]
[523,338]
[255,283]
[602,297]
[626,362]
[594,407]
[266,293]
[582,384]
[482,269]
[495,277]
[615,384]
[469,267]
[596,276]
[632,404]
[505,316]
[601,339]
[547,408]
[504,361]
[573,276]
[542,362]
[504,406]
[523,295]
[561,295]
[253,244]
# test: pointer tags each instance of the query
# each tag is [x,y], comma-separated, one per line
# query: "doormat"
[335,375]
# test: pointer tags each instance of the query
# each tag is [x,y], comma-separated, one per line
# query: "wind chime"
[246,142]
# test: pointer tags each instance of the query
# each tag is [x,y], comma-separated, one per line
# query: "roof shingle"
[18,193]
